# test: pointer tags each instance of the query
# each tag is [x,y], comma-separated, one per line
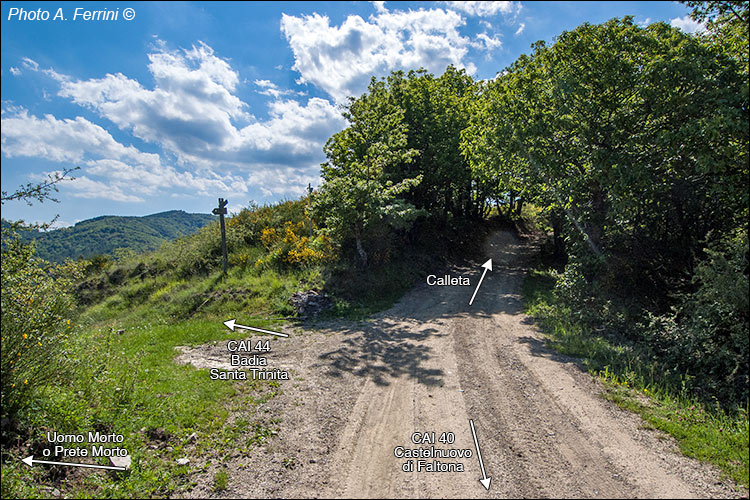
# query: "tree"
[435,111]
[40,191]
[492,143]
[638,135]
[726,25]
[358,194]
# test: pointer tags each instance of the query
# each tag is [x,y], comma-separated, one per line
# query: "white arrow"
[30,461]
[487,267]
[232,324]
[485,480]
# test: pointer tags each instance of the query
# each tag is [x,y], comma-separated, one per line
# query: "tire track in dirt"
[430,363]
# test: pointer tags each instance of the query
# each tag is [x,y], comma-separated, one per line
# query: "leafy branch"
[41,191]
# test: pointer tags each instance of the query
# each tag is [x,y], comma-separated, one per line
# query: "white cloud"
[15,71]
[85,187]
[111,170]
[30,64]
[520,29]
[235,208]
[59,224]
[687,24]
[486,8]
[190,109]
[66,140]
[298,128]
[379,6]
[284,181]
[271,89]
[194,115]
[341,59]
[489,43]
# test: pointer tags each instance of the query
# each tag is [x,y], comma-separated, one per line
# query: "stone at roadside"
[54,492]
[310,303]
[120,461]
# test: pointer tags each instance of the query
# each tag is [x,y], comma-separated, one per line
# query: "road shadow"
[380,351]
[539,348]
[392,343]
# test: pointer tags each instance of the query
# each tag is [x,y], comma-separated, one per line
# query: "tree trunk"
[599,209]
[360,249]
[468,205]
[519,206]
[557,236]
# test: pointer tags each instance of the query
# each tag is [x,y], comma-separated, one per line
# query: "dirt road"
[429,364]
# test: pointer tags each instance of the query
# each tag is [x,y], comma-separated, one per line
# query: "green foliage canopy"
[638,135]
[358,193]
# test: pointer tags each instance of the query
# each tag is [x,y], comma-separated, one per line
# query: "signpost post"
[221,210]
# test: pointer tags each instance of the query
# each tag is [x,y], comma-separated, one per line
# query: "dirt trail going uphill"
[430,363]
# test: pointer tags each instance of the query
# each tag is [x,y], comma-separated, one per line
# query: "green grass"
[221,480]
[129,384]
[635,382]
[247,292]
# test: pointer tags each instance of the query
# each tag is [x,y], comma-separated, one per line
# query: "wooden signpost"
[221,211]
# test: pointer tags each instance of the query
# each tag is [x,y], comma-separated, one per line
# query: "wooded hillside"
[102,235]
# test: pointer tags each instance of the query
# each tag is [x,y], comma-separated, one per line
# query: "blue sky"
[188,102]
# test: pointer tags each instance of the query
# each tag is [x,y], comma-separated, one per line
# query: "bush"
[280,228]
[703,339]
[36,305]
[251,223]
[289,247]
[707,336]
[96,264]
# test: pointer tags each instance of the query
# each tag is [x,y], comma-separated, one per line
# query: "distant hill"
[102,235]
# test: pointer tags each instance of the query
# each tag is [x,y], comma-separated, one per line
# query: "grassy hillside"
[90,377]
[102,235]
[271,256]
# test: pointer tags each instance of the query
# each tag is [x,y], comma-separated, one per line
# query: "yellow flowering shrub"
[269,237]
[35,302]
[290,246]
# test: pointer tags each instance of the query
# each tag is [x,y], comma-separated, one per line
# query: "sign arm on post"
[221,211]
